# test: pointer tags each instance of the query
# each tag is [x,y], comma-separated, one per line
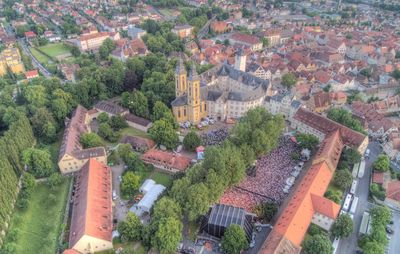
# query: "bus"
[353,187]
[354,205]
[355,170]
[361,170]
[364,223]
[347,202]
[335,245]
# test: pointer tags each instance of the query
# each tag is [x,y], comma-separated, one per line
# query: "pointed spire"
[180,67]
[193,73]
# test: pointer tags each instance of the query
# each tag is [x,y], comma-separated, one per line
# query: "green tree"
[380,215]
[317,244]
[372,247]
[123,151]
[105,131]
[163,133]
[382,163]
[118,122]
[44,125]
[38,161]
[54,180]
[343,226]
[159,111]
[234,239]
[352,156]
[106,48]
[288,80]
[167,207]
[103,118]
[130,183]
[307,141]
[396,74]
[266,211]
[344,117]
[89,140]
[191,141]
[136,102]
[130,228]
[167,235]
[197,202]
[377,191]
[343,179]
[378,234]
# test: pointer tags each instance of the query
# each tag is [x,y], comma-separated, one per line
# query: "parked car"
[389,230]
[114,195]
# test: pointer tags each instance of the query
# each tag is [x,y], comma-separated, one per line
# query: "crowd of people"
[215,137]
[272,170]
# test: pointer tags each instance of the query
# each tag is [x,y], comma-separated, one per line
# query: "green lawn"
[133,132]
[39,56]
[161,178]
[132,248]
[55,49]
[39,225]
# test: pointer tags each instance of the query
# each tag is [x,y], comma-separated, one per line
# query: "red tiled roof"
[325,125]
[377,177]
[31,74]
[70,251]
[248,39]
[393,190]
[292,225]
[92,206]
[30,34]
[325,206]
[167,159]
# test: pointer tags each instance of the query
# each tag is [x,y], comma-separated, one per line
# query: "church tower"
[193,94]
[180,79]
[240,60]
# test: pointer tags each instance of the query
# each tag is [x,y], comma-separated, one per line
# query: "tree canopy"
[344,117]
[382,163]
[191,141]
[131,228]
[288,80]
[317,244]
[234,239]
[343,226]
[163,133]
[307,141]
[38,161]
[343,179]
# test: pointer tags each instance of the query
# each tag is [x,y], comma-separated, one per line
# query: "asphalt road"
[120,207]
[349,245]
[35,62]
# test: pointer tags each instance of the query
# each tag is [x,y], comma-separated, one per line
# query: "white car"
[114,195]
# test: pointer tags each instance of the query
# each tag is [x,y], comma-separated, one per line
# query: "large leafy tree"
[380,215]
[372,247]
[191,141]
[343,179]
[130,183]
[163,133]
[197,201]
[44,125]
[106,48]
[382,163]
[307,141]
[345,117]
[167,235]
[38,161]
[289,80]
[136,102]
[352,156]
[317,244]
[343,226]
[234,239]
[89,140]
[130,228]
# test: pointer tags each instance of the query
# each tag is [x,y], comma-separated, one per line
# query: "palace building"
[224,92]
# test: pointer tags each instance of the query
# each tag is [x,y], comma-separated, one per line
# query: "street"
[349,245]
[120,208]
[35,62]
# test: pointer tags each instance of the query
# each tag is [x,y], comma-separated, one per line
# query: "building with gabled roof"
[91,221]
[72,156]
[166,160]
[312,123]
[308,204]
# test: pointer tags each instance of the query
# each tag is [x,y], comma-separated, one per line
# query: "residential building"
[168,161]
[91,220]
[29,75]
[93,40]
[68,70]
[135,32]
[183,31]
[220,27]
[72,156]
[253,42]
[283,103]
[138,144]
[10,59]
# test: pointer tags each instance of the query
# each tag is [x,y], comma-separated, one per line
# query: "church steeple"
[193,73]
[180,78]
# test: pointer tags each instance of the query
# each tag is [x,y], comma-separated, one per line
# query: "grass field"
[161,178]
[55,49]
[39,56]
[133,132]
[39,226]
[132,248]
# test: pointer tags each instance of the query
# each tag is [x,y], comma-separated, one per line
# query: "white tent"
[150,197]
[147,185]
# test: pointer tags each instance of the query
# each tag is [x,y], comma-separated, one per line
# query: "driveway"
[120,206]
[349,245]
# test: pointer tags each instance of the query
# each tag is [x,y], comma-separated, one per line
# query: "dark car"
[389,230]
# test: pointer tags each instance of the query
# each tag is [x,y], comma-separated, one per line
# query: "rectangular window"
[184,112]
[179,113]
